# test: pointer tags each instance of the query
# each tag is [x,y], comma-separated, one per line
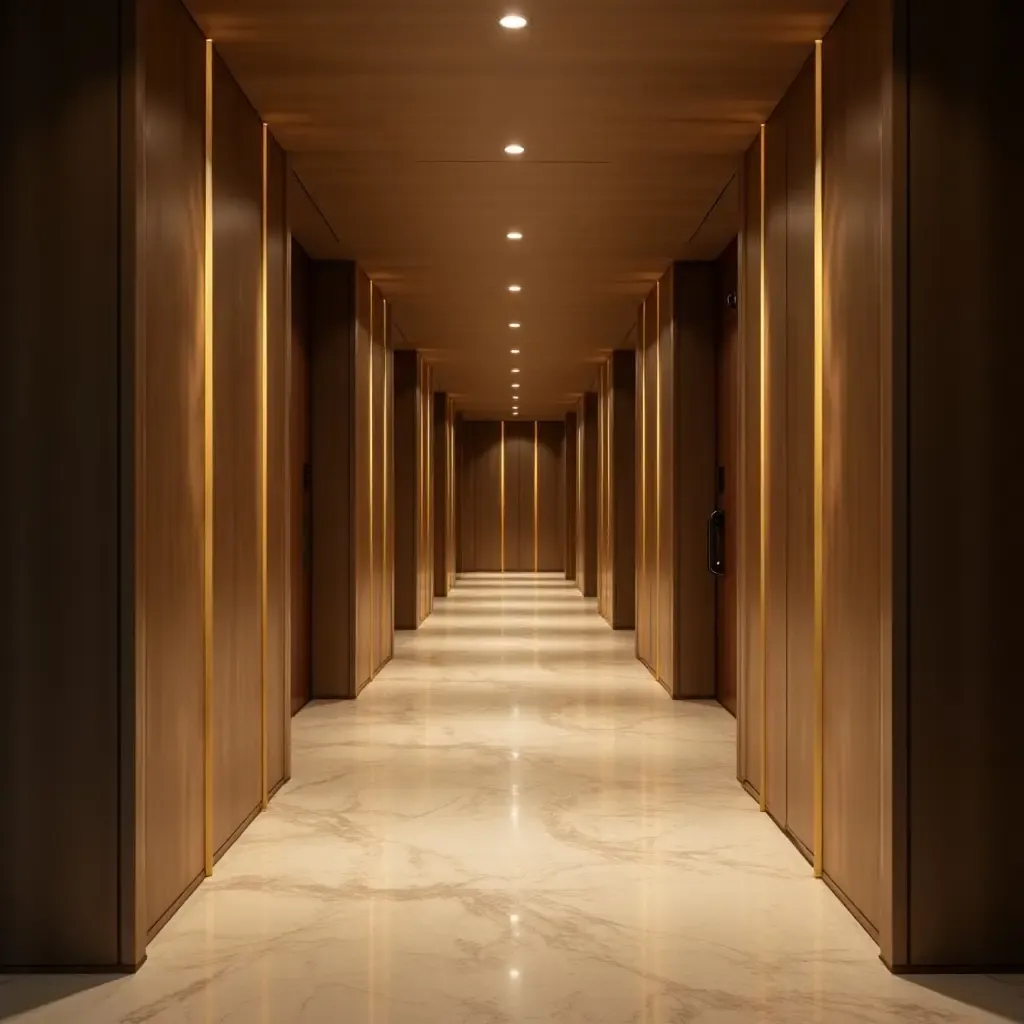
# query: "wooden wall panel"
[586,516]
[480,496]
[171,548]
[519,496]
[799,458]
[689,474]
[237,256]
[962,545]
[854,526]
[300,523]
[750,719]
[444,494]
[59,544]
[278,471]
[571,495]
[648,633]
[377,491]
[427,476]
[362,496]
[551,501]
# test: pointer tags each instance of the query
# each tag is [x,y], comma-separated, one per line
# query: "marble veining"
[513,823]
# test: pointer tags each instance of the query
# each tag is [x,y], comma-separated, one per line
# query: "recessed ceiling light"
[514,149]
[514,236]
[513,21]
[514,351]
[515,412]
[515,327]
[515,385]
[515,369]
[515,288]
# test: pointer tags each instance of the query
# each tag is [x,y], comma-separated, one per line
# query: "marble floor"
[513,823]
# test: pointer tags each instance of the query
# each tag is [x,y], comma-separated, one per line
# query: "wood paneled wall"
[587,422]
[176,211]
[353,535]
[570,485]
[444,494]
[511,495]
[677,331]
[414,489]
[617,490]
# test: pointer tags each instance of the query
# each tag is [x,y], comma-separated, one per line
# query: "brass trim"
[643,480]
[536,503]
[384,456]
[371,672]
[763,803]
[208,479]
[657,483]
[264,412]
[819,470]
[502,495]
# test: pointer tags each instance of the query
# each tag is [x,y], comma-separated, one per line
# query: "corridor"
[513,823]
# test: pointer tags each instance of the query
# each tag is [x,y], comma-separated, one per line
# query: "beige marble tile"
[514,823]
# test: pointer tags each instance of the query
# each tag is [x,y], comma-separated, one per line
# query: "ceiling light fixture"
[515,288]
[514,351]
[513,21]
[514,149]
[515,369]
[515,385]
[515,327]
[515,236]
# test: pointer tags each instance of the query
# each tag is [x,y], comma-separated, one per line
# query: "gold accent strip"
[387,463]
[208,480]
[763,801]
[645,654]
[264,334]
[369,433]
[502,495]
[819,469]
[657,483]
[536,502]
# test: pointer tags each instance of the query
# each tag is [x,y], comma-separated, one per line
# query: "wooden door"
[728,477]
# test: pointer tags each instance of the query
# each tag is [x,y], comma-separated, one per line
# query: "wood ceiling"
[634,114]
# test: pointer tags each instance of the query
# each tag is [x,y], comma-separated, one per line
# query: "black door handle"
[716,543]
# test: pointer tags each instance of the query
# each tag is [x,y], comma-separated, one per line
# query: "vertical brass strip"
[764,499]
[819,469]
[502,495]
[644,627]
[369,491]
[208,481]
[536,502]
[387,470]
[657,481]
[263,433]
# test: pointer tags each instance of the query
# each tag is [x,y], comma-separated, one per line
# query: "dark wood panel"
[380,644]
[966,489]
[695,314]
[853,317]
[278,493]
[728,409]
[427,473]
[519,496]
[300,481]
[333,459]
[670,474]
[172,484]
[653,484]
[407,478]
[444,566]
[237,257]
[622,492]
[799,459]
[360,496]
[776,450]
[643,610]
[480,496]
[570,495]
[586,565]
[750,720]
[59,454]
[550,496]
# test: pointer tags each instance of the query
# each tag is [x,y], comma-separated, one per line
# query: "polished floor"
[513,823]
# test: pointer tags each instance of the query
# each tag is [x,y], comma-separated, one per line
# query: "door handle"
[716,543]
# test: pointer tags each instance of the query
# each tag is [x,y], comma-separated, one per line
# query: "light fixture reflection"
[514,351]
[513,22]
[515,236]
[515,369]
[515,149]
[515,287]
[515,327]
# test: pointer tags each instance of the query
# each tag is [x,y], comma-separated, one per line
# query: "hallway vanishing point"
[514,823]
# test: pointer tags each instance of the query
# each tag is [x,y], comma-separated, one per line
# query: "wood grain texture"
[300,480]
[480,496]
[570,467]
[360,495]
[966,492]
[750,718]
[586,556]
[170,543]
[278,482]
[380,649]
[798,427]
[695,318]
[519,495]
[408,422]
[728,410]
[333,458]
[444,482]
[776,451]
[237,711]
[428,482]
[854,519]
[551,501]
[649,330]
[59,452]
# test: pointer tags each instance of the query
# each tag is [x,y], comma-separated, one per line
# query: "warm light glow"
[513,21]
[515,236]
[515,369]
[514,149]
[514,974]
[515,385]
[515,327]
[515,287]
[514,351]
